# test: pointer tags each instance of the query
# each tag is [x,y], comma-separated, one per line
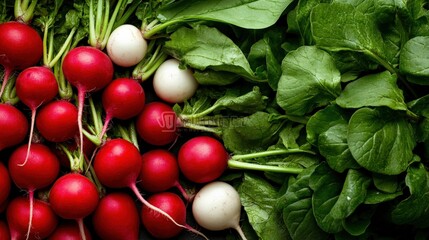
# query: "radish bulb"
[217,206]
[126,46]
[172,83]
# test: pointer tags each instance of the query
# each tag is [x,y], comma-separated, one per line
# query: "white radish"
[126,46]
[172,83]
[217,206]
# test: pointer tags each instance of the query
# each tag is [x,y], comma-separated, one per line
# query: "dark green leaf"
[309,80]
[380,140]
[415,60]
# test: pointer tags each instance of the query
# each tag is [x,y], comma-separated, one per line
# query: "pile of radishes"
[102,164]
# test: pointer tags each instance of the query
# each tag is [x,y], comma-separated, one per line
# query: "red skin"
[68,231]
[117,163]
[123,98]
[14,126]
[5,184]
[202,159]
[17,214]
[157,124]
[36,86]
[73,196]
[159,226]
[87,68]
[159,171]
[41,169]
[57,121]
[20,45]
[116,217]
[4,231]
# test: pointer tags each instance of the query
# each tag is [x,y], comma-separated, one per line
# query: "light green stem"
[258,167]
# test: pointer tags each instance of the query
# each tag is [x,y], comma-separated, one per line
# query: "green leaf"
[335,199]
[376,197]
[414,60]
[252,133]
[358,223]
[373,90]
[298,212]
[249,102]
[415,208]
[309,80]
[324,119]
[333,146]
[217,78]
[380,140]
[204,47]
[260,201]
[386,183]
[251,14]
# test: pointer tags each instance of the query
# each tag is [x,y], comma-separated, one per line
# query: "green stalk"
[152,28]
[9,94]
[24,10]
[233,164]
[270,153]
[96,117]
[145,68]
[63,49]
[202,128]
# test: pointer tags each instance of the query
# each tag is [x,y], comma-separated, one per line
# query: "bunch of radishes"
[67,174]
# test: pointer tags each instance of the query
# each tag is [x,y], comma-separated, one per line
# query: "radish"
[73,196]
[159,226]
[20,47]
[34,87]
[160,172]
[57,121]
[17,214]
[126,46]
[41,170]
[157,124]
[116,217]
[172,83]
[68,231]
[202,159]
[4,231]
[123,98]
[117,164]
[88,69]
[217,206]
[5,184]
[13,125]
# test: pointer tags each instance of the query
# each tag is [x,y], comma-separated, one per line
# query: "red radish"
[117,164]
[41,170]
[20,47]
[160,172]
[34,87]
[5,184]
[4,231]
[17,214]
[13,125]
[159,226]
[116,217]
[89,70]
[157,124]
[68,231]
[73,196]
[123,98]
[57,121]
[202,159]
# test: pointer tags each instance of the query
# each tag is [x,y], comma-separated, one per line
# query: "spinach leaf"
[298,211]
[358,223]
[211,77]
[376,196]
[415,60]
[260,201]
[324,119]
[309,80]
[333,146]
[415,208]
[380,140]
[252,14]
[373,90]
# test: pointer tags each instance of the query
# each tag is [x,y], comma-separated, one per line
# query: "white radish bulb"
[126,46]
[217,206]
[172,83]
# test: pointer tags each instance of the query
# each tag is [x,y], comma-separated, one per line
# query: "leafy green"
[309,80]
[380,141]
[415,61]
